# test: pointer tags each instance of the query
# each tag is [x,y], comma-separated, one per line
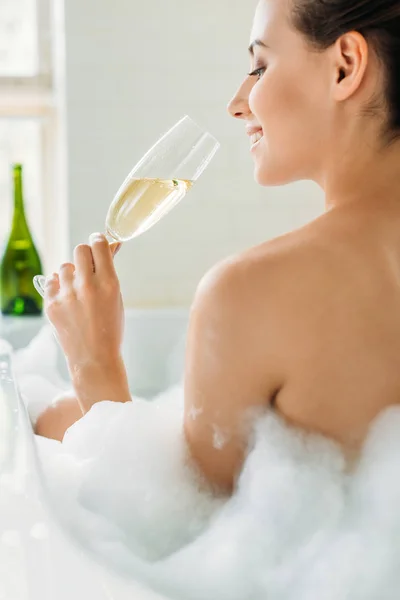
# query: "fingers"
[83,259]
[51,286]
[98,258]
[66,276]
[102,256]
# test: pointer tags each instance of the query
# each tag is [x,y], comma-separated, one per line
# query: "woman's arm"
[83,302]
[90,386]
[96,381]
[233,370]
[57,418]
[95,375]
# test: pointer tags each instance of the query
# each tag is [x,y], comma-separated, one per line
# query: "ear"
[351,59]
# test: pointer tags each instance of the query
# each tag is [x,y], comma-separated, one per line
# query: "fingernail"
[96,237]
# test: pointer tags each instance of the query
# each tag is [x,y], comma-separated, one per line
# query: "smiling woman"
[288,94]
[256,336]
[292,352]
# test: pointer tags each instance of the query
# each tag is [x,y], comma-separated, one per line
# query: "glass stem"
[110,239]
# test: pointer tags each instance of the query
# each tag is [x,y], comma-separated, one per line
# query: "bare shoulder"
[265,277]
[272,298]
[242,320]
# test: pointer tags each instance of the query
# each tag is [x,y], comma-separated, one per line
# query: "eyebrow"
[256,43]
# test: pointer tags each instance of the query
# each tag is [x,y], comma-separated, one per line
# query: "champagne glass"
[157,183]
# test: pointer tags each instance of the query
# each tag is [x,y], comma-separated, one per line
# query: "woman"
[309,322]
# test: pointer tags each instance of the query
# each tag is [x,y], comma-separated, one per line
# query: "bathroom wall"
[133,69]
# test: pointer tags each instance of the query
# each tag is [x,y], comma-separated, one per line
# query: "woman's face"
[287,104]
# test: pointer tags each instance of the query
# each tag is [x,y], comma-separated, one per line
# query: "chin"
[272,177]
[269,173]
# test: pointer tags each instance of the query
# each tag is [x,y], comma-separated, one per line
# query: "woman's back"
[338,333]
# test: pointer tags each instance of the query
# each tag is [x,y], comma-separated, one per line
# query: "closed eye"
[258,72]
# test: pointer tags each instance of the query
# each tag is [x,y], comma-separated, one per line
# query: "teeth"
[256,137]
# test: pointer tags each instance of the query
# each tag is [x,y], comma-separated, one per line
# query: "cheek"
[293,121]
[274,101]
[260,101]
[287,108]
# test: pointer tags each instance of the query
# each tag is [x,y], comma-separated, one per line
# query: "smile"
[256,138]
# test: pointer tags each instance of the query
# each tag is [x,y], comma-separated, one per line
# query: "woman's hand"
[83,302]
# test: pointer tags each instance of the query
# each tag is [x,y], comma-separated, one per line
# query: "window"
[28,116]
[19,54]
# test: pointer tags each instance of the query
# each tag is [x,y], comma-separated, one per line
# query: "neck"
[363,171]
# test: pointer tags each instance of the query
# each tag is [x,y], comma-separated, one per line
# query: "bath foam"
[298,527]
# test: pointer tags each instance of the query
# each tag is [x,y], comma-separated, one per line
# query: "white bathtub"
[38,559]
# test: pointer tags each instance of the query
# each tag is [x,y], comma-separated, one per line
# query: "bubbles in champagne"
[140,203]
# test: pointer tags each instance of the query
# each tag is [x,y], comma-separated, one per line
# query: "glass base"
[38,282]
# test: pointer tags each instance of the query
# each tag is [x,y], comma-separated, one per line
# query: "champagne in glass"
[158,182]
[141,204]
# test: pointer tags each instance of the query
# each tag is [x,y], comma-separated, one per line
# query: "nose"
[239,107]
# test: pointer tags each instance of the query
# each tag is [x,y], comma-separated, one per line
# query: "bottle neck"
[18,192]
[19,223]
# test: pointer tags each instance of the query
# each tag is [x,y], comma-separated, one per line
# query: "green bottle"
[20,262]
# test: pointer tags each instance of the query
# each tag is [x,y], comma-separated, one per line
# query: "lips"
[255,134]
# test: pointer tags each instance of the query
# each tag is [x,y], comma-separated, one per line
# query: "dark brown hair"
[324,21]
